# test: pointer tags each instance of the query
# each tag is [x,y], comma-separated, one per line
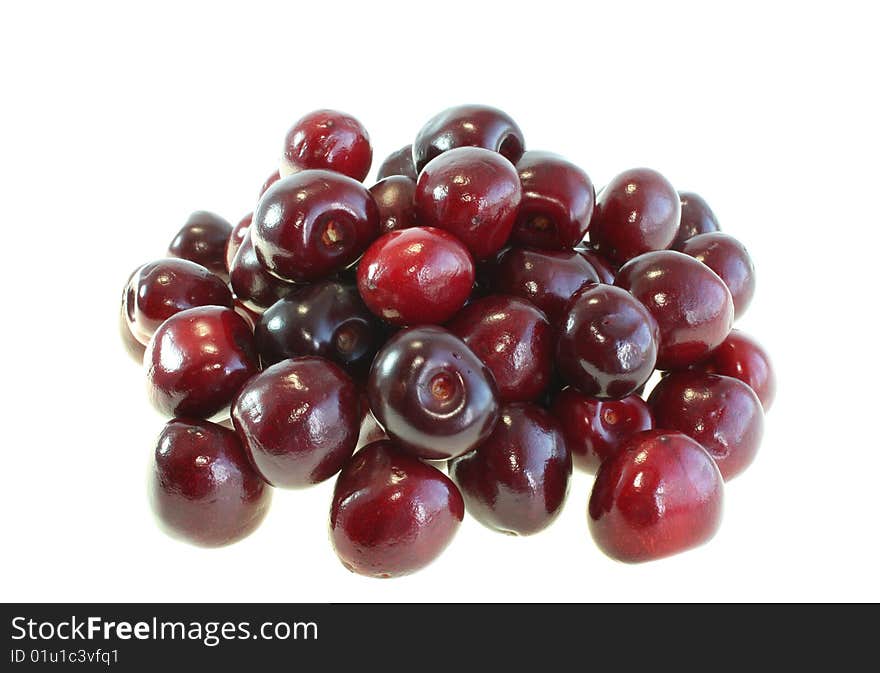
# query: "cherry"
[202,240]
[158,290]
[398,163]
[659,495]
[132,346]
[638,211]
[328,319]
[696,218]
[271,180]
[513,339]
[604,267]
[253,285]
[329,140]
[251,317]
[468,126]
[690,303]
[236,238]
[594,429]
[418,275]
[202,488]
[743,358]
[392,514]
[432,394]
[312,224]
[394,197]
[517,480]
[607,345]
[557,202]
[546,278]
[298,421]
[198,360]
[729,258]
[720,412]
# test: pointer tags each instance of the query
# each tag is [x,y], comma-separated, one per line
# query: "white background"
[117,122]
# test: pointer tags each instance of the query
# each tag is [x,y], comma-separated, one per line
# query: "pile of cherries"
[456,337]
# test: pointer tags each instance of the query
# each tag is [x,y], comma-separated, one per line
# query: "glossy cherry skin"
[133,347]
[468,126]
[546,278]
[328,140]
[607,343]
[743,358]
[729,258]
[659,495]
[604,267]
[720,412]
[158,290]
[638,211]
[392,514]
[595,429]
[253,285]
[298,421]
[696,218]
[398,163]
[203,240]
[198,360]
[513,339]
[236,238]
[432,394]
[328,319]
[517,480]
[271,180]
[690,303]
[394,197]
[557,202]
[309,225]
[473,194]
[202,487]
[416,276]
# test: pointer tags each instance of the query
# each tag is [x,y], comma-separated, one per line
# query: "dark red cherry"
[546,278]
[253,285]
[298,421]
[328,319]
[513,339]
[251,317]
[743,358]
[468,126]
[721,413]
[328,140]
[158,290]
[557,202]
[392,514]
[604,267]
[607,345]
[198,360]
[414,276]
[132,346]
[202,487]
[638,211]
[696,218]
[271,180]
[309,225]
[729,258]
[236,238]
[595,429]
[398,163]
[203,240]
[690,303]
[433,396]
[517,480]
[659,495]
[473,194]
[394,198]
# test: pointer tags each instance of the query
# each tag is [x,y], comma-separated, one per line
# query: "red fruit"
[271,180]
[394,197]
[253,285]
[696,218]
[605,268]
[743,358]
[731,261]
[236,238]
[328,140]
[203,240]
[398,163]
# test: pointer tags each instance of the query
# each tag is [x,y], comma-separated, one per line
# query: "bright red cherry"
[416,276]
[721,413]
[659,495]
[203,240]
[236,238]
[690,303]
[202,487]
[328,140]
[743,358]
[253,285]
[517,480]
[394,198]
[392,514]
[637,212]
[696,218]
[595,429]
[557,202]
[468,126]
[198,360]
[398,163]
[729,258]
[312,224]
